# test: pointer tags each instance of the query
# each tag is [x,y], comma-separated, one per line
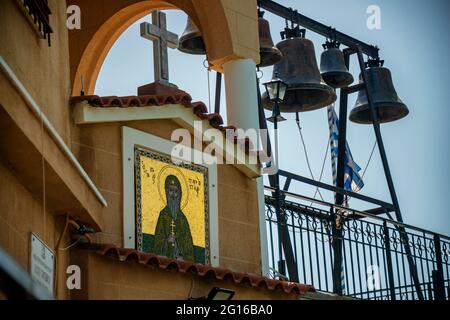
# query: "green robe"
[183,248]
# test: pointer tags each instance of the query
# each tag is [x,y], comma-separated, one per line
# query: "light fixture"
[276,115]
[276,91]
[221,294]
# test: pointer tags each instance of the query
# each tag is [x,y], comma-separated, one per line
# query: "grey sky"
[414,43]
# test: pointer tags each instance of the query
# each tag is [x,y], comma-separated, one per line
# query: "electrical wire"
[324,161]
[306,154]
[322,170]
[370,159]
[72,245]
[58,243]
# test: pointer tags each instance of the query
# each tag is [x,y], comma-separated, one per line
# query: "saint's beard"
[174,207]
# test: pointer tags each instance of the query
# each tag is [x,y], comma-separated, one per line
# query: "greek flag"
[352,179]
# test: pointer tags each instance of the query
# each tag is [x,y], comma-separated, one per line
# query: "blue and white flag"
[352,179]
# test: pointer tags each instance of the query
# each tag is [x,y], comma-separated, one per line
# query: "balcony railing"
[38,13]
[374,260]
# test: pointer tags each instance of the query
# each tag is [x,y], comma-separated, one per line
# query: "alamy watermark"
[374,19]
[74,277]
[74,17]
[373,278]
[73,21]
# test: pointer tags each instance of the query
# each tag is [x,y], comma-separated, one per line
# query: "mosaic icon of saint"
[173,236]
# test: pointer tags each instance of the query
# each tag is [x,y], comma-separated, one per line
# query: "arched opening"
[104,24]
[130,64]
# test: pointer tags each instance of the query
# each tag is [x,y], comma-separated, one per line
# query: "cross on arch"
[162,40]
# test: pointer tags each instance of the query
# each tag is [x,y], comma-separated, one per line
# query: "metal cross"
[162,39]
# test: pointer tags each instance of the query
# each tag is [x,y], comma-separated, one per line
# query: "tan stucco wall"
[43,70]
[46,73]
[23,143]
[99,149]
[238,221]
[107,278]
[22,214]
[242,20]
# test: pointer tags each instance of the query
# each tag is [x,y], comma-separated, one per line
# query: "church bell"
[332,66]
[270,54]
[298,68]
[388,105]
[191,41]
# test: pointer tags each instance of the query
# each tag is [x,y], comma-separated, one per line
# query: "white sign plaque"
[42,263]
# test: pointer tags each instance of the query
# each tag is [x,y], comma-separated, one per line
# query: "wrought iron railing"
[38,13]
[374,263]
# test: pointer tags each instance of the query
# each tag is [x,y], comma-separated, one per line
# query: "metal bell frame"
[359,48]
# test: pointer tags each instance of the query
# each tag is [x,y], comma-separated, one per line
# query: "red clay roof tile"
[167,264]
[198,108]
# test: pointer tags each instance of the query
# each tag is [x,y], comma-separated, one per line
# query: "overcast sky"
[414,43]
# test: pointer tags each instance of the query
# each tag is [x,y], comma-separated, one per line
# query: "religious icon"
[173,235]
[172,207]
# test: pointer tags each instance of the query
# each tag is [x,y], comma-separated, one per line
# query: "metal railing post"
[387,244]
[438,279]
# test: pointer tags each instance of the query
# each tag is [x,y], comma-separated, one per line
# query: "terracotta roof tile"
[135,101]
[167,264]
[198,108]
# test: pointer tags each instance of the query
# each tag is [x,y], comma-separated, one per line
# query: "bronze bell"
[388,105]
[191,41]
[298,68]
[270,55]
[332,66]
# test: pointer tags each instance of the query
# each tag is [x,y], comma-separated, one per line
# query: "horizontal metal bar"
[299,208]
[375,212]
[353,89]
[335,189]
[317,27]
[378,211]
[305,198]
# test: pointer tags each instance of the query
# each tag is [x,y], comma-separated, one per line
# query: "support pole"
[390,182]
[274,180]
[218,92]
[282,221]
[339,200]
[337,218]
[242,107]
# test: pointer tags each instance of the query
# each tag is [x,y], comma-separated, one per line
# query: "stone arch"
[104,21]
